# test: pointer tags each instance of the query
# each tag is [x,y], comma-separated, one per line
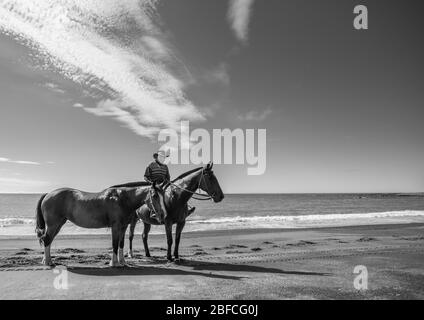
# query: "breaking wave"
[317,220]
[25,226]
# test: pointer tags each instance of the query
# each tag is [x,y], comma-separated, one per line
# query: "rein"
[205,196]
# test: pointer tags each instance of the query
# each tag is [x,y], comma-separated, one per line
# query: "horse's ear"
[211,165]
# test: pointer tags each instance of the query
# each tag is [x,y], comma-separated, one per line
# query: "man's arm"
[168,177]
[147,174]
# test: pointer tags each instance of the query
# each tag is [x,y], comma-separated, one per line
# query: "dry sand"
[236,264]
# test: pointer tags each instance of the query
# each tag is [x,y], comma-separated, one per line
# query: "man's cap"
[162,153]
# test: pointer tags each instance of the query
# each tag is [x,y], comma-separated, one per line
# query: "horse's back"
[85,209]
[58,196]
[107,194]
[66,195]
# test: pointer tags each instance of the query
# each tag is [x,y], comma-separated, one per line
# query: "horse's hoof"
[130,254]
[178,260]
[48,263]
[170,259]
[148,255]
[114,264]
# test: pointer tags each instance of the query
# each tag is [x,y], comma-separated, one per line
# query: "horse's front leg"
[168,229]
[131,237]
[121,259]
[178,230]
[145,236]
[115,244]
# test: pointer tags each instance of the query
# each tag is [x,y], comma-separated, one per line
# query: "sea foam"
[25,226]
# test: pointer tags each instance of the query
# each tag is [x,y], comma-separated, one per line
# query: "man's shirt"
[157,172]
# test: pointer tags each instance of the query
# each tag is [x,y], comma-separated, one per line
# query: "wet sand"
[235,264]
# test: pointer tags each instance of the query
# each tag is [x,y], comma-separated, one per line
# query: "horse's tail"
[40,224]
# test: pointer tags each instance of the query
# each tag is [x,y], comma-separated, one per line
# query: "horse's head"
[209,183]
[156,201]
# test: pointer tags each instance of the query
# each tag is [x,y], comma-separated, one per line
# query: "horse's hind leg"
[115,243]
[145,236]
[121,259]
[178,230]
[50,234]
[131,237]
[168,229]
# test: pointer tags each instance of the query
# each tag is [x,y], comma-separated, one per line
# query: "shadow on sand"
[198,268]
[201,265]
[144,271]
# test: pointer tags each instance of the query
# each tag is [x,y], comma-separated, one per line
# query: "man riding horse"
[157,172]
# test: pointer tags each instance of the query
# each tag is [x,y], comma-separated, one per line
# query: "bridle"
[202,196]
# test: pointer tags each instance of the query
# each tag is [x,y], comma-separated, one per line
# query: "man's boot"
[153,215]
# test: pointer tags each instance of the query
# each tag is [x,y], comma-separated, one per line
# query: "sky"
[85,88]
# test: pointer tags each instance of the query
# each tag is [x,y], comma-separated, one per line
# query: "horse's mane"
[185,174]
[132,184]
[145,183]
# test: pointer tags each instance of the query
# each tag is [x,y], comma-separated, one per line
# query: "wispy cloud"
[239,12]
[19,161]
[53,87]
[26,162]
[7,160]
[131,119]
[255,115]
[117,48]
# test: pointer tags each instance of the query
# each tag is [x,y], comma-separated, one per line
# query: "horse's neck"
[190,183]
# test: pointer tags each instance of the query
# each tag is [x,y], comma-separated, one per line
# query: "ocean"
[243,211]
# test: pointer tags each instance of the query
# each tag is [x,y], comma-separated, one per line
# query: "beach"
[310,263]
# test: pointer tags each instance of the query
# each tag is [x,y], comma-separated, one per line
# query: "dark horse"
[177,194]
[112,207]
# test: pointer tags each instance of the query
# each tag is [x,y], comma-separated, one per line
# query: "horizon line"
[255,193]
